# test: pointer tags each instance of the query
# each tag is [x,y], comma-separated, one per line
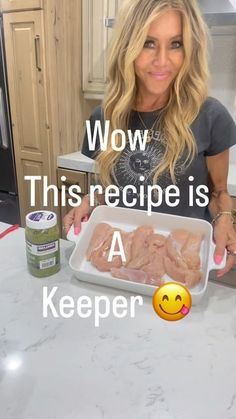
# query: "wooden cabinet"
[24,41]
[43,55]
[98,19]
[14,5]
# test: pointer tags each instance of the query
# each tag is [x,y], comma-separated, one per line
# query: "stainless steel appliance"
[9,205]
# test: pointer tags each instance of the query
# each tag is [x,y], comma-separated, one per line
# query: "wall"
[223,70]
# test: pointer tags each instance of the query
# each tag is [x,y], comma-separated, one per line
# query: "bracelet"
[234,216]
[223,213]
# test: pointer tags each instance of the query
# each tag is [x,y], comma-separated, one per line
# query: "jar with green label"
[42,243]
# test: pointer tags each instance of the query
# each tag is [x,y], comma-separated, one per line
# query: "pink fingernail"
[77,230]
[86,218]
[218,259]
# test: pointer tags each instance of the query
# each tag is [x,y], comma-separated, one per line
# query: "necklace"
[150,130]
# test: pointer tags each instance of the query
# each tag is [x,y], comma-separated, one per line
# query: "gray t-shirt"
[214,131]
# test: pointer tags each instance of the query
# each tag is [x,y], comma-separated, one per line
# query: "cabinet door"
[98,19]
[26,79]
[10,5]
[112,10]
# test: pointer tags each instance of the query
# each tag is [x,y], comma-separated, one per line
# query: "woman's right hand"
[76,215]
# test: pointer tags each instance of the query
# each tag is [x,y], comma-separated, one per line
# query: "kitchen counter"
[130,368]
[77,161]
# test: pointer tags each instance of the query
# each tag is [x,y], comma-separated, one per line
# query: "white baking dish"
[128,220]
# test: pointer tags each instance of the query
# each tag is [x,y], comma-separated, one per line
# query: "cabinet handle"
[109,22]
[37,52]
[4,143]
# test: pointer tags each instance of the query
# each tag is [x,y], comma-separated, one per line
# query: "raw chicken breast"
[149,255]
[127,239]
[191,249]
[186,276]
[100,234]
[135,275]
[155,241]
[174,244]
[140,248]
[100,244]
[155,266]
[99,256]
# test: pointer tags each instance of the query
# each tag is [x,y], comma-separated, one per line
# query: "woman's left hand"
[225,238]
[224,233]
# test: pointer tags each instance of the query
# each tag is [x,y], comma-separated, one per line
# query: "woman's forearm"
[220,202]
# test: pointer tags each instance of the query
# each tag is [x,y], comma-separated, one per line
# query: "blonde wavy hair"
[188,91]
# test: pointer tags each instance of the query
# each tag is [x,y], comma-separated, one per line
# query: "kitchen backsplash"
[223,70]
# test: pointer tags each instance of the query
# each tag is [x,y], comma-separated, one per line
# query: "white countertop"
[77,161]
[131,368]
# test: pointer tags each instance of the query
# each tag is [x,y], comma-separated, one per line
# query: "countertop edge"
[77,161]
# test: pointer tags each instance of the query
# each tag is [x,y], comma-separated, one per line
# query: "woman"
[158,76]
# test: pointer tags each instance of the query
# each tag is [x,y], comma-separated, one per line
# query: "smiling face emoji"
[172,301]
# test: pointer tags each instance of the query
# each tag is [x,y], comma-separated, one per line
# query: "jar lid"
[40,220]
